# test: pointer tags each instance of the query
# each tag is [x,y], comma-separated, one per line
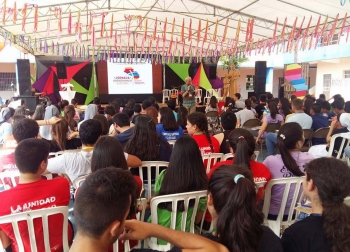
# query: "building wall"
[336,68]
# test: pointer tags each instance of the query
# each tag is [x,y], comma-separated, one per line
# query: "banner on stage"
[126,78]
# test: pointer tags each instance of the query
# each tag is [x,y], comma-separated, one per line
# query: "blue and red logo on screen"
[130,71]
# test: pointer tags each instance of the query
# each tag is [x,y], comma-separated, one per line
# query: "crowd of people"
[112,141]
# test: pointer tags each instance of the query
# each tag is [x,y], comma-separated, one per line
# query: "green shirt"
[189,101]
[164,216]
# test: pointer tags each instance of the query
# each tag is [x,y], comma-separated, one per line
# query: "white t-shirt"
[73,164]
[304,120]
[239,104]
[244,115]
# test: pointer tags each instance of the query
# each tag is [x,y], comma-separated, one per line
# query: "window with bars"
[346,74]
[6,79]
[327,78]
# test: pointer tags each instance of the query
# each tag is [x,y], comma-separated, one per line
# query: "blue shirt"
[169,134]
[319,121]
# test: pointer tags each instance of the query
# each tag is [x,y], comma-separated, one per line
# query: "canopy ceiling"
[264,13]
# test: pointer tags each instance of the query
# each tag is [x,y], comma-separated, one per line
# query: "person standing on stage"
[189,92]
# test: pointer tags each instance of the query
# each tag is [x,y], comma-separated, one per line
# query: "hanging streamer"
[14,18]
[225,31]
[215,30]
[36,16]
[4,13]
[342,28]
[145,33]
[111,29]
[183,30]
[190,30]
[206,32]
[155,30]
[199,31]
[70,22]
[164,29]
[77,25]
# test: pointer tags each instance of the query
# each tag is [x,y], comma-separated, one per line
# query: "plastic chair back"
[251,123]
[79,181]
[156,167]
[229,156]
[347,201]
[308,135]
[345,142]
[166,94]
[174,199]
[211,159]
[272,127]
[9,179]
[321,133]
[295,182]
[29,218]
[199,96]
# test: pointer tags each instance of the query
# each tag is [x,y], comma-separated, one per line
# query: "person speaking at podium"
[189,92]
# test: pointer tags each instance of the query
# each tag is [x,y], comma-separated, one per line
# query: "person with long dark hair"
[307,105]
[212,106]
[152,113]
[59,142]
[168,127]
[229,105]
[289,163]
[284,107]
[242,145]
[104,123]
[273,117]
[197,127]
[185,173]
[182,114]
[328,227]
[69,115]
[228,123]
[236,217]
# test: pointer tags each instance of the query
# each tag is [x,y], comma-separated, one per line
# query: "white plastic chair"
[172,142]
[199,96]
[345,137]
[150,165]
[174,199]
[208,94]
[212,159]
[230,156]
[347,200]
[9,176]
[78,181]
[219,93]
[59,153]
[166,95]
[276,225]
[29,218]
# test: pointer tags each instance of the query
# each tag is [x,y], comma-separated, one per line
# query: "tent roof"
[264,12]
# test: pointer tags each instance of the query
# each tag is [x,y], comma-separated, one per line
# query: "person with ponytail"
[237,219]
[197,127]
[242,146]
[289,163]
[328,227]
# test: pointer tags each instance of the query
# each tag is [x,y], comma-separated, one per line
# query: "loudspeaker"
[250,94]
[61,71]
[260,77]
[23,70]
[212,72]
[29,101]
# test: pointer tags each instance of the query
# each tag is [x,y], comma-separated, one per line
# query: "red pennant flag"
[183,30]
[164,30]
[155,29]
[199,31]
[190,31]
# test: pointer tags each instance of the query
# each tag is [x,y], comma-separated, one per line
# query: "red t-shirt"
[33,196]
[259,170]
[7,162]
[204,145]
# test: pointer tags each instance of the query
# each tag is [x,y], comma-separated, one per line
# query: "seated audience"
[137,111]
[197,127]
[284,107]
[152,100]
[109,113]
[152,113]
[5,123]
[242,146]
[272,117]
[39,112]
[70,116]
[307,105]
[172,105]
[238,103]
[326,110]
[130,104]
[97,102]
[212,106]
[78,164]
[232,204]
[182,114]
[104,123]
[261,106]
[50,111]
[228,123]
[98,234]
[78,112]
[90,111]
[122,128]
[185,173]
[145,104]
[328,227]
[245,114]
[318,121]
[129,113]
[253,101]
[31,160]
[9,141]
[289,163]
[168,127]
[156,106]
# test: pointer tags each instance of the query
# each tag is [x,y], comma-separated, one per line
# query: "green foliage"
[227,62]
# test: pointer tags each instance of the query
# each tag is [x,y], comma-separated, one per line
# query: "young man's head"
[146,104]
[269,96]
[121,120]
[262,98]
[137,109]
[315,109]
[64,104]
[109,111]
[292,97]
[297,105]
[31,156]
[152,99]
[128,112]
[322,97]
[338,106]
[90,131]
[94,198]
[237,96]
[97,101]
[325,107]
[24,129]
[228,120]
